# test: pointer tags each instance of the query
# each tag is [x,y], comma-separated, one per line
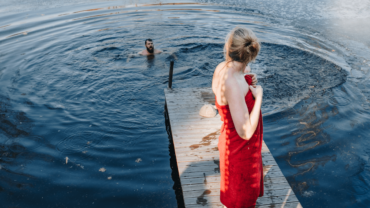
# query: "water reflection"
[16,146]
[13,123]
[310,134]
[150,59]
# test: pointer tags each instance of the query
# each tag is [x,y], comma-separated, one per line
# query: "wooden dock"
[195,140]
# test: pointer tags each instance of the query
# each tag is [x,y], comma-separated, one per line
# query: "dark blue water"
[82,119]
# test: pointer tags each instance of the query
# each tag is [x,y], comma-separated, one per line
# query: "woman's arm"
[245,123]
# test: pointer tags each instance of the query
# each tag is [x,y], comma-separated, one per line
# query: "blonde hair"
[243,45]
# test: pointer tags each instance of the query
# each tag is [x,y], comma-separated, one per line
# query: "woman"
[239,105]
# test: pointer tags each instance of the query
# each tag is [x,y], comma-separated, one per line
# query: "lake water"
[82,120]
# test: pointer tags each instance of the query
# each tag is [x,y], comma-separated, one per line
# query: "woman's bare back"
[225,73]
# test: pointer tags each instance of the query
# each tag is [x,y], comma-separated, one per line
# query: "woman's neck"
[237,67]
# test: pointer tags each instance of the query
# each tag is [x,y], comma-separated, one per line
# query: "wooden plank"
[190,135]
[216,178]
[195,140]
[295,204]
[208,146]
[207,150]
[282,205]
[216,192]
[203,206]
[209,156]
[219,205]
[198,122]
[261,200]
[203,158]
[197,172]
[201,120]
[184,130]
[209,185]
[191,99]
[211,162]
[193,115]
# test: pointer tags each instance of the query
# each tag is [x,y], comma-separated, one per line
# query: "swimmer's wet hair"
[243,45]
[148,40]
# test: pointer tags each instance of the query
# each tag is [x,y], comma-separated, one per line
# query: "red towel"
[240,160]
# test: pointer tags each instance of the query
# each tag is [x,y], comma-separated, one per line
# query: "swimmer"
[149,48]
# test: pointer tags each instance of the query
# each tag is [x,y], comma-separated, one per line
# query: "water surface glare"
[82,115]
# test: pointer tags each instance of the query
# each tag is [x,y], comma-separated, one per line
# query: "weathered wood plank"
[191,100]
[219,205]
[282,205]
[216,178]
[199,138]
[205,148]
[295,204]
[196,134]
[209,185]
[261,200]
[213,169]
[211,147]
[208,150]
[200,121]
[199,158]
[213,156]
[196,172]
[216,192]
[184,130]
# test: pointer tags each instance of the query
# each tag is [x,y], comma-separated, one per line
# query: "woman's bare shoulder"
[218,69]
[221,65]
[217,75]
[220,75]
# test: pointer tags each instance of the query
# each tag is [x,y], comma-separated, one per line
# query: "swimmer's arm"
[245,123]
[131,56]
[168,52]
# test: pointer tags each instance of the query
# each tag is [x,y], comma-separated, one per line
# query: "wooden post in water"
[170,76]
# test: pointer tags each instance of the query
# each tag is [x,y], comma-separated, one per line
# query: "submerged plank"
[195,141]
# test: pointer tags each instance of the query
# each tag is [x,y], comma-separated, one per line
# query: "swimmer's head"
[241,45]
[149,45]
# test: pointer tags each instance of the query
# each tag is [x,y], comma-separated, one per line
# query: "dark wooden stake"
[170,77]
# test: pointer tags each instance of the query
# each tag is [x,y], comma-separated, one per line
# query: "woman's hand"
[254,78]
[247,70]
[257,91]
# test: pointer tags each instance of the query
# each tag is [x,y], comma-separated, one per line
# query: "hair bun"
[254,45]
[247,44]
